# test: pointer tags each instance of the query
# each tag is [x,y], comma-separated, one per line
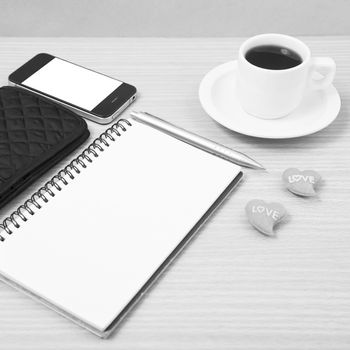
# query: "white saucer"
[217,94]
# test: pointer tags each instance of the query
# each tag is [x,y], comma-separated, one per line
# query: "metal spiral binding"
[72,169]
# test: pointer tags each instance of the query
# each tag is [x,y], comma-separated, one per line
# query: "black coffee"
[273,57]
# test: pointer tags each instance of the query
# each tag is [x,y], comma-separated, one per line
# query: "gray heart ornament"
[265,216]
[301,183]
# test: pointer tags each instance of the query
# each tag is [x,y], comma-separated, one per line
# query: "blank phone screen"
[71,83]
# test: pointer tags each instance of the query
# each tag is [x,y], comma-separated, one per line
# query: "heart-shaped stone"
[301,183]
[265,216]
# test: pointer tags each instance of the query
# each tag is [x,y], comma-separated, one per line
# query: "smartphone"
[92,95]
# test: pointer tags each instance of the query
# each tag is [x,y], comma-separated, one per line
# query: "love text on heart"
[273,213]
[298,178]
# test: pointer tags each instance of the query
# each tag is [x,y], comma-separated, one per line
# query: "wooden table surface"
[232,288]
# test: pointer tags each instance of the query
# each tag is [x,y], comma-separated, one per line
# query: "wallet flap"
[34,135]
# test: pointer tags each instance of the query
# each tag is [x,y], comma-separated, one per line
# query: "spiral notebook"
[91,241]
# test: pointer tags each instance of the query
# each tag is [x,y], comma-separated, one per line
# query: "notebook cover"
[35,134]
[166,261]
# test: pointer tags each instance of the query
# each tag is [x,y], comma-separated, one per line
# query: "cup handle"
[326,67]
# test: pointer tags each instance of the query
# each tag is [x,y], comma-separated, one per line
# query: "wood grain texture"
[232,288]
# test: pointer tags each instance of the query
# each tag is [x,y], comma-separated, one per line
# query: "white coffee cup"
[271,94]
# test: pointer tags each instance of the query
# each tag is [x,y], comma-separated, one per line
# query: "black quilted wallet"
[35,134]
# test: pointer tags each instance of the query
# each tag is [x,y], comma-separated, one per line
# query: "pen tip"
[259,166]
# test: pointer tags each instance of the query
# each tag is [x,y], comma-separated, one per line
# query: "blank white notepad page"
[92,247]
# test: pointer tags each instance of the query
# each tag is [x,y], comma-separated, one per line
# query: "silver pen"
[196,140]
